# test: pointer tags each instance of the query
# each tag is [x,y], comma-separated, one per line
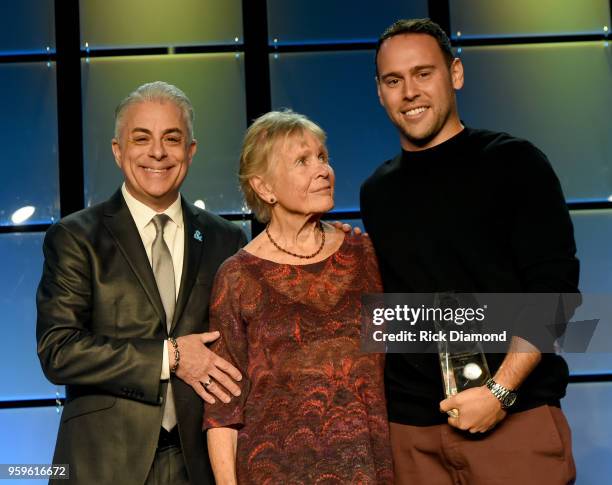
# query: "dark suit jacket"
[100,331]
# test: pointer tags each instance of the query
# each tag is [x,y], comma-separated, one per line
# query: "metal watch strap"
[499,391]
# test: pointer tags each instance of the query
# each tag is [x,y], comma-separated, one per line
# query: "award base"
[462,371]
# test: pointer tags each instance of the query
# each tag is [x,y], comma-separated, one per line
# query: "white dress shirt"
[174,236]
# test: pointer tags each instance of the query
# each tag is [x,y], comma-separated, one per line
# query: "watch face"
[509,399]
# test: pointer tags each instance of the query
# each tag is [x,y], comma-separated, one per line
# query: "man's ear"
[116,151]
[456,71]
[264,190]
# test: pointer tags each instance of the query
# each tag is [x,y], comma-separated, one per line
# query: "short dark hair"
[417,26]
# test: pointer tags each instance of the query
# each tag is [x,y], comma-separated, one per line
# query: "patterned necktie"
[163,269]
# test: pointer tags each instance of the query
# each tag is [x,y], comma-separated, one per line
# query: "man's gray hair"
[158,91]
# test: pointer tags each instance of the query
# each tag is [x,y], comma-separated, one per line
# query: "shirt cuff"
[165,372]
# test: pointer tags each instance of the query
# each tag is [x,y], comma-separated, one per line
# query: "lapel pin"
[197,236]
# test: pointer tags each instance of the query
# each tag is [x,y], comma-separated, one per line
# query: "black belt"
[168,438]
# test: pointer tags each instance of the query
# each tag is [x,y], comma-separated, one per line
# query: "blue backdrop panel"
[28,437]
[322,21]
[151,23]
[593,229]
[28,135]
[337,90]
[215,85]
[21,261]
[587,409]
[529,91]
[509,18]
[246,228]
[27,26]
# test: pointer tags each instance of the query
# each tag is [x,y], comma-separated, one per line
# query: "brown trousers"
[528,448]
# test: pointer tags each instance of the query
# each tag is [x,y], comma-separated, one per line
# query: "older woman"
[312,407]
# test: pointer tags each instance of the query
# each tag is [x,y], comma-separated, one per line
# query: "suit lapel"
[120,224]
[194,245]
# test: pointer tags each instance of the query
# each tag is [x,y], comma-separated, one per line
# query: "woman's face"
[301,178]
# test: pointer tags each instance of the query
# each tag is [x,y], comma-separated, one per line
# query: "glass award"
[463,363]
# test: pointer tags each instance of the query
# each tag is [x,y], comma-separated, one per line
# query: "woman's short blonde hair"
[257,151]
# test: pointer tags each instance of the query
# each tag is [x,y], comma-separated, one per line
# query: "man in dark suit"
[123,309]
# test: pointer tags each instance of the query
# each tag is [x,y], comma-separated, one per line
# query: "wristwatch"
[505,396]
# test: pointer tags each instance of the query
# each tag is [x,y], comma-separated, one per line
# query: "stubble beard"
[422,140]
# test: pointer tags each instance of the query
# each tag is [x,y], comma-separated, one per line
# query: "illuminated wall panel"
[593,231]
[28,437]
[29,141]
[215,85]
[139,23]
[506,18]
[27,26]
[246,228]
[21,261]
[587,413]
[317,21]
[556,95]
[337,90]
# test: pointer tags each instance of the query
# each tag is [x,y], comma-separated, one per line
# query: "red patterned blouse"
[312,408]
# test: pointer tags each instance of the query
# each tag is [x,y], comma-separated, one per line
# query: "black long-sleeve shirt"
[482,212]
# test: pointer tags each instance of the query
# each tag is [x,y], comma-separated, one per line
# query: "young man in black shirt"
[478,211]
